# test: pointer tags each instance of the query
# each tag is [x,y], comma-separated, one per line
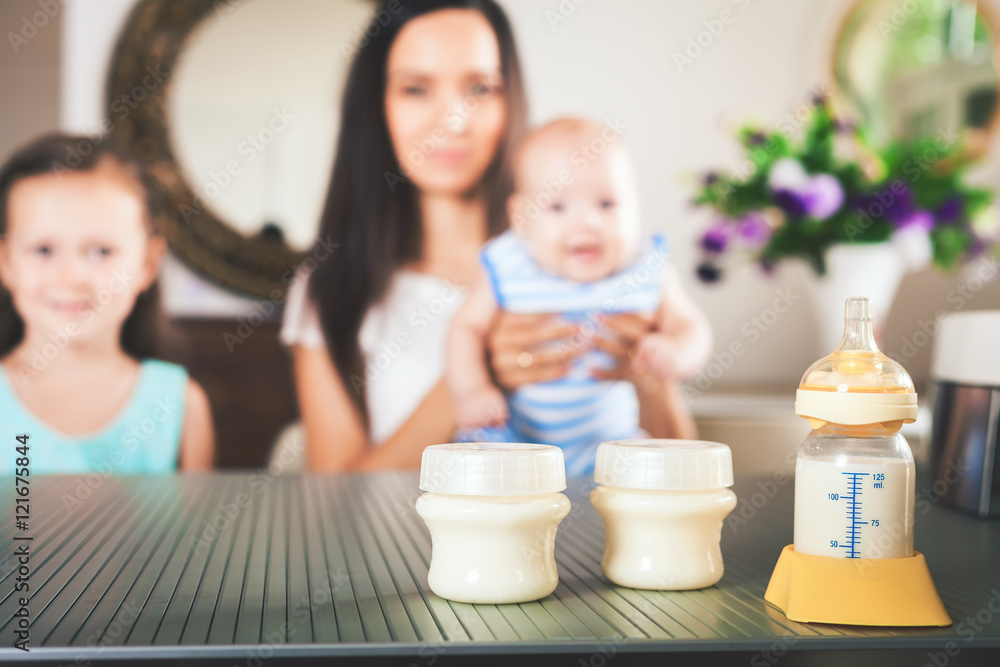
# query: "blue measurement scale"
[853,510]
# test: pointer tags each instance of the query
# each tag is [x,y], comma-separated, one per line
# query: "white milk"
[492,549]
[876,521]
[665,540]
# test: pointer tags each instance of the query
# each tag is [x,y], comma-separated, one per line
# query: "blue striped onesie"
[577,411]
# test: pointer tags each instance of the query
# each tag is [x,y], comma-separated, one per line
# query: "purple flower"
[790,202]
[798,194]
[753,229]
[894,204]
[823,196]
[918,219]
[898,205]
[710,179]
[951,210]
[715,240]
[843,126]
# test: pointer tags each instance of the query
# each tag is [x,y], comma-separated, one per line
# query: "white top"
[965,349]
[664,465]
[492,469]
[402,341]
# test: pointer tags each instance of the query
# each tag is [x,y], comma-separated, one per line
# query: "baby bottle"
[852,560]
[663,503]
[854,475]
[492,510]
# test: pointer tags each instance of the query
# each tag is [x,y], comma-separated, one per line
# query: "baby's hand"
[486,407]
[657,356]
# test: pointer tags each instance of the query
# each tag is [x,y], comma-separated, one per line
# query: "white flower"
[914,246]
[787,174]
[986,222]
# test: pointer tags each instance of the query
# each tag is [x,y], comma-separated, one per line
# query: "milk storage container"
[663,503]
[492,510]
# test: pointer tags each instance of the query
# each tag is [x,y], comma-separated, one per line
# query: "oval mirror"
[919,68]
[241,132]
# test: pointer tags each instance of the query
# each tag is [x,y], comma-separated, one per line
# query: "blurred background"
[199,86]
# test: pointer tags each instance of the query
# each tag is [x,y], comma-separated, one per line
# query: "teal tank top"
[143,439]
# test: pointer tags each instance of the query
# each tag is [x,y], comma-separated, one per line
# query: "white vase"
[873,270]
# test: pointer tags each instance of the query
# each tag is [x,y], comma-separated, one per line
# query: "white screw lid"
[492,469]
[664,465]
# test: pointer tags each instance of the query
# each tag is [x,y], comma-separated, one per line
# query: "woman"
[432,108]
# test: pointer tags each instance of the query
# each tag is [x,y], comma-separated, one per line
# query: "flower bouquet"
[802,197]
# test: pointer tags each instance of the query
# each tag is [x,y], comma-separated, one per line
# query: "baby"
[576,249]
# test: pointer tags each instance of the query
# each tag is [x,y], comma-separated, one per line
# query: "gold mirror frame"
[150,43]
[977,143]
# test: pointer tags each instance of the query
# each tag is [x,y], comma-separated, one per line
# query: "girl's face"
[445,103]
[77,253]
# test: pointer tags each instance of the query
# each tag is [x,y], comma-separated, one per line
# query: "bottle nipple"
[857,365]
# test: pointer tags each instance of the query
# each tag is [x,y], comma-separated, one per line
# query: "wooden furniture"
[249,383]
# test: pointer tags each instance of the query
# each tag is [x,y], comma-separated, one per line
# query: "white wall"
[90,30]
[613,58]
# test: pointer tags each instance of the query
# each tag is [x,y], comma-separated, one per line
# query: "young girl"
[78,304]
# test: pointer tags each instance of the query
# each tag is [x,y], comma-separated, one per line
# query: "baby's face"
[577,210]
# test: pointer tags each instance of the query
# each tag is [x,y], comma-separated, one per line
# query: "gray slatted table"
[236,568]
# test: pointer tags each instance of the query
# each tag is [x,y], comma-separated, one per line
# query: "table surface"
[223,566]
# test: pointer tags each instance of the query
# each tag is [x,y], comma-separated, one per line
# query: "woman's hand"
[629,330]
[650,360]
[525,349]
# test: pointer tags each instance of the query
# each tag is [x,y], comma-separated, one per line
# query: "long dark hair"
[62,153]
[379,227]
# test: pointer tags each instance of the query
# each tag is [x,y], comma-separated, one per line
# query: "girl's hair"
[60,154]
[371,211]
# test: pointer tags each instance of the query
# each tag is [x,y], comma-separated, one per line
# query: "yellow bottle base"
[855,591]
